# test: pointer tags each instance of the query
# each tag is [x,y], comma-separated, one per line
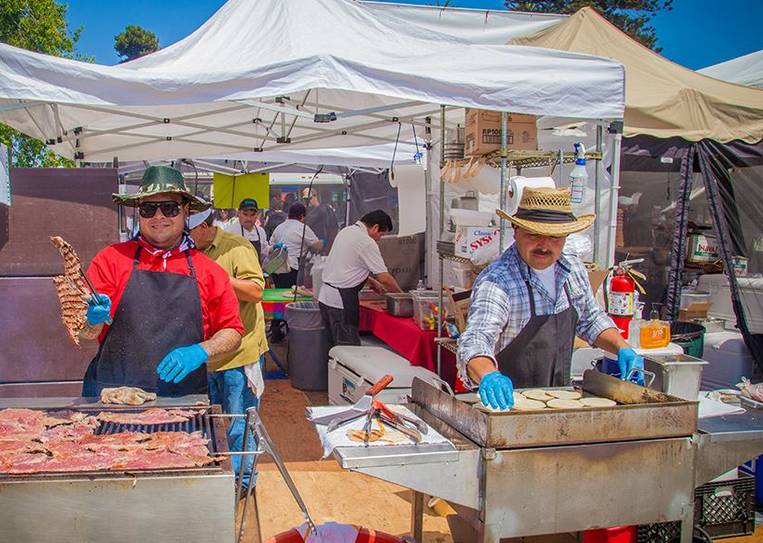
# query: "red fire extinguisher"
[620,300]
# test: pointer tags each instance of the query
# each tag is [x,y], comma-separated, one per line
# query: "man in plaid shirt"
[529,304]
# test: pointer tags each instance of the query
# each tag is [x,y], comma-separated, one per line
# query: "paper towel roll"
[517,185]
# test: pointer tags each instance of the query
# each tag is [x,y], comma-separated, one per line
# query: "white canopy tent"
[275,74]
[479,26]
[745,70]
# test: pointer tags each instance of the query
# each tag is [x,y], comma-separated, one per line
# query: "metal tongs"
[93,293]
[410,427]
[264,444]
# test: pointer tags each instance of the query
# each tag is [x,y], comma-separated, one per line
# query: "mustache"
[541,252]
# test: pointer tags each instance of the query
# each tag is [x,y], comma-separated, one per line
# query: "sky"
[696,33]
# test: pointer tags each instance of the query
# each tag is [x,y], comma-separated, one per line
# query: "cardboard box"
[458,274]
[694,311]
[703,249]
[482,133]
[470,238]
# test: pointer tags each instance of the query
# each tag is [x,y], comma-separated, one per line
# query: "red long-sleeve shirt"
[111,268]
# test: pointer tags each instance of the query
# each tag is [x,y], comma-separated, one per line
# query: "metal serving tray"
[641,414]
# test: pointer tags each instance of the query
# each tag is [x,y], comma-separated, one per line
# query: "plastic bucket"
[618,534]
[365,535]
[690,336]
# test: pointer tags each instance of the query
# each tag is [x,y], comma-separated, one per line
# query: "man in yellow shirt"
[236,382]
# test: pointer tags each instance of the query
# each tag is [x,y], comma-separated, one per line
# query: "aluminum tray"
[641,413]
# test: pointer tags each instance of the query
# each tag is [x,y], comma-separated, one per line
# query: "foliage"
[630,16]
[135,41]
[40,26]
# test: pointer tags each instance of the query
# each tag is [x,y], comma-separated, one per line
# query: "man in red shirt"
[163,309]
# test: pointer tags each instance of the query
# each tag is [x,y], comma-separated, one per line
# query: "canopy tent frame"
[76,135]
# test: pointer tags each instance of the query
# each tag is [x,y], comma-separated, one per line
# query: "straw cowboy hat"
[547,212]
[160,180]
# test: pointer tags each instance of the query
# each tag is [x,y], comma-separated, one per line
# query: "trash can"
[309,345]
[690,336]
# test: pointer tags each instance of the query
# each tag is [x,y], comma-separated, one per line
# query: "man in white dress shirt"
[299,239]
[354,259]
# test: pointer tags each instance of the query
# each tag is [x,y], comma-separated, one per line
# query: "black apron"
[351,302]
[541,354]
[158,312]
[257,244]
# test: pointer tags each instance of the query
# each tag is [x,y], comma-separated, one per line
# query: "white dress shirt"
[289,233]
[354,255]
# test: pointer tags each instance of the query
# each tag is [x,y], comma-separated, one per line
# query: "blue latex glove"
[180,362]
[627,359]
[98,309]
[497,390]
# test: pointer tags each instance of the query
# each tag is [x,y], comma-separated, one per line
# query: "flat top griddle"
[640,414]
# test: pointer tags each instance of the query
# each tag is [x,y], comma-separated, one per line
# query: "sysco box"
[470,238]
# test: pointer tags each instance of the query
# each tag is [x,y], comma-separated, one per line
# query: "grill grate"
[200,422]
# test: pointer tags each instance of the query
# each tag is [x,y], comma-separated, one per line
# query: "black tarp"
[667,183]
[370,191]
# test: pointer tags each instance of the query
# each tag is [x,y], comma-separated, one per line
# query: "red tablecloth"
[405,337]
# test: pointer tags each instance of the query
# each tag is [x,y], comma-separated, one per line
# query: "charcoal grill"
[188,504]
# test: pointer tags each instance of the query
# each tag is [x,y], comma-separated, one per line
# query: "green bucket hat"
[160,180]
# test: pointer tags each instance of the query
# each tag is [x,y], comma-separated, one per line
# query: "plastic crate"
[663,532]
[726,508]
[722,509]
[423,312]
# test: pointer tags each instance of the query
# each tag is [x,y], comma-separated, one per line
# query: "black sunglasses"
[169,209]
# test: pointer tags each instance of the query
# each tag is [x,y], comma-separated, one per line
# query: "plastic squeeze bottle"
[634,329]
[578,176]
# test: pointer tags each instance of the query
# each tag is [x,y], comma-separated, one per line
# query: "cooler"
[352,371]
[750,290]
[728,360]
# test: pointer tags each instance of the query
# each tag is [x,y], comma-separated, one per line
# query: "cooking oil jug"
[654,333]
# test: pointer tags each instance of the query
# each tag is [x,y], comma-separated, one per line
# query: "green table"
[275,300]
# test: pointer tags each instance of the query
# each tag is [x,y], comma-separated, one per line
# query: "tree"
[630,16]
[135,41]
[40,26]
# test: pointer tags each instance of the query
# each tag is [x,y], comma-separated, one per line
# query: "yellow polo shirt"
[239,258]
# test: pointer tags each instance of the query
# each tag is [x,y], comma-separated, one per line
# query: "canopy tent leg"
[504,178]
[597,196]
[617,146]
[678,247]
[441,301]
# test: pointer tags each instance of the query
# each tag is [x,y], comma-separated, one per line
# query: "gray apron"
[541,354]
[158,312]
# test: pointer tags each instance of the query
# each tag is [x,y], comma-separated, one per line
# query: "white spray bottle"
[578,176]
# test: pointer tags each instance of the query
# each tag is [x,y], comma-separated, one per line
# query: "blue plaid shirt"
[500,305]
